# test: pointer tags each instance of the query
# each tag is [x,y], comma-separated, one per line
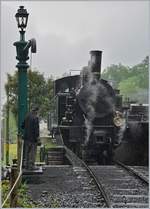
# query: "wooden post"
[2,138]
[13,177]
[7,128]
[19,143]
[19,151]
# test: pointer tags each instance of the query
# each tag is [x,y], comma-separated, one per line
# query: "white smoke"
[88,125]
[92,88]
[120,133]
[95,90]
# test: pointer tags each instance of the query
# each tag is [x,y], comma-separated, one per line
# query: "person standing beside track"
[31,138]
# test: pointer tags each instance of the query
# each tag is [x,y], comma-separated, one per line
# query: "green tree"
[129,86]
[40,92]
[133,82]
[116,73]
[11,88]
[136,85]
[141,72]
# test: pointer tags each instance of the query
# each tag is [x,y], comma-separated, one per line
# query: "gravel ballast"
[64,186]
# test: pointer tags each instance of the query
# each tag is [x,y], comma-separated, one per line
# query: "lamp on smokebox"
[22,18]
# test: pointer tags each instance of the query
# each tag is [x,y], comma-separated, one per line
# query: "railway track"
[143,171]
[93,190]
[120,185]
[123,186]
[140,172]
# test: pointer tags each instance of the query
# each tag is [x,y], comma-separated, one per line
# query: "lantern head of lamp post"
[22,46]
[22,18]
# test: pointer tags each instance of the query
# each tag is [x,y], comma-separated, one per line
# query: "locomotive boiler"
[86,115]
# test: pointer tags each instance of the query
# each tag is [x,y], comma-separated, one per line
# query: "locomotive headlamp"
[119,119]
[22,18]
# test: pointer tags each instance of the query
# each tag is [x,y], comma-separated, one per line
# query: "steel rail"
[100,186]
[97,182]
[133,172]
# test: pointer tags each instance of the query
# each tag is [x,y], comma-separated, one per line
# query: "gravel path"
[64,186]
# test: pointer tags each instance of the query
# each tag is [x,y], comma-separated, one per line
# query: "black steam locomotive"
[87,114]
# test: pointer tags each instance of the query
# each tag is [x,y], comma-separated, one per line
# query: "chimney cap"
[96,52]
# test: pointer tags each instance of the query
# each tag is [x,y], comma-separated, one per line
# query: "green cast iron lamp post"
[22,49]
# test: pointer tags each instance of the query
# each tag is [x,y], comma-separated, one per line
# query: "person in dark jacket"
[31,138]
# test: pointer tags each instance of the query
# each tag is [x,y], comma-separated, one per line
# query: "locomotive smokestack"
[95,63]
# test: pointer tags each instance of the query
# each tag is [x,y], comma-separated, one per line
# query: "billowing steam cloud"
[95,90]
[92,88]
[120,133]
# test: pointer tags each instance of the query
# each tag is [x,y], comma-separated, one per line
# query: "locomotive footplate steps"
[56,156]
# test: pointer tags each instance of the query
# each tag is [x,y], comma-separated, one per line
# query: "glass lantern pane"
[26,20]
[20,21]
[23,20]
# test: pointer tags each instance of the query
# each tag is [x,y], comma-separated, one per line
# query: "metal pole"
[29,89]
[22,96]
[22,56]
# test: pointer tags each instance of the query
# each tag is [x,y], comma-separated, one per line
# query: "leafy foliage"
[116,73]
[40,92]
[5,190]
[133,82]
[130,85]
[11,88]
[24,200]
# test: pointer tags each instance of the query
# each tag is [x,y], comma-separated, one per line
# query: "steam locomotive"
[87,114]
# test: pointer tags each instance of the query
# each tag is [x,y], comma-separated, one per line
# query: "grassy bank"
[24,200]
[47,142]
[12,152]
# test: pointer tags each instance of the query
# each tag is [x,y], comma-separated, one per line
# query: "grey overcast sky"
[66,31]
